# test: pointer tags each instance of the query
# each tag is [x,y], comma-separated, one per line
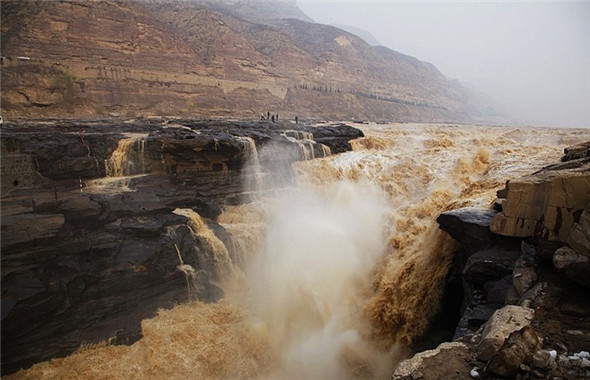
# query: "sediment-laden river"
[337,275]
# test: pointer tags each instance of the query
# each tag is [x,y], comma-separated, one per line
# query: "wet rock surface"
[525,311]
[91,243]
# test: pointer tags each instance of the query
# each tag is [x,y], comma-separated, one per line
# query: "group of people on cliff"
[270,117]
[274,117]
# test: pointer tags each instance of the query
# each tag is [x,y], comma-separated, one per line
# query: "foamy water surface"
[336,277]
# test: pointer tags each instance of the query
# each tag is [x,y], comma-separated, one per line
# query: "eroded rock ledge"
[524,273]
[99,217]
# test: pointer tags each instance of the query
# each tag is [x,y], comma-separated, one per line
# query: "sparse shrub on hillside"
[64,84]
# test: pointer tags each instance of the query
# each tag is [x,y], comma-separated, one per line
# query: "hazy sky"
[533,56]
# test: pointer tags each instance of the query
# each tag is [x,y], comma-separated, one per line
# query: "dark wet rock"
[86,257]
[573,264]
[337,137]
[575,152]
[489,264]
[470,226]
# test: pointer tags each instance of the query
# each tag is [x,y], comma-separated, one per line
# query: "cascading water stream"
[306,144]
[129,157]
[127,161]
[345,270]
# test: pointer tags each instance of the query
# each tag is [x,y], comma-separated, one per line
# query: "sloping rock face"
[137,58]
[525,312]
[103,223]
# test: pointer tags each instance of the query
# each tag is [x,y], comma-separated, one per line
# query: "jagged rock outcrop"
[163,57]
[525,314]
[547,203]
[103,223]
[470,226]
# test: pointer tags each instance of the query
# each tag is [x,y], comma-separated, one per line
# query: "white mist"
[307,285]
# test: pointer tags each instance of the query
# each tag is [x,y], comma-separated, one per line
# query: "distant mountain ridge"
[211,59]
[364,34]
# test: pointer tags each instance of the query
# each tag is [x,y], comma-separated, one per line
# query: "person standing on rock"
[296,120]
[273,118]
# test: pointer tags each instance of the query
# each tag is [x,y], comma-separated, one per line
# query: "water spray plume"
[307,284]
[341,273]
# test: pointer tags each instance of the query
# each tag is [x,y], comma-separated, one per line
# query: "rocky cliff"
[102,223]
[89,58]
[523,272]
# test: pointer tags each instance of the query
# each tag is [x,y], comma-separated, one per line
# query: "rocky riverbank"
[522,273]
[105,222]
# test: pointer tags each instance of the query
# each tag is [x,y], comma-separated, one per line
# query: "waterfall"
[215,256]
[307,145]
[193,286]
[341,275]
[129,157]
[245,225]
[253,181]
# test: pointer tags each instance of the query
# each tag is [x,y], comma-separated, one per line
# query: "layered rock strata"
[524,270]
[103,223]
[212,58]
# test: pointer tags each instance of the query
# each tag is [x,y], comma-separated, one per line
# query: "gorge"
[335,268]
[174,204]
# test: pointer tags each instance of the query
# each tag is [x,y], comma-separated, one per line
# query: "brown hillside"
[93,58]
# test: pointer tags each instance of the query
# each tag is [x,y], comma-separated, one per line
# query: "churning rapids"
[337,275]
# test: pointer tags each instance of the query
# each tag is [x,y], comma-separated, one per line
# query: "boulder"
[576,152]
[470,226]
[520,345]
[498,328]
[449,360]
[524,275]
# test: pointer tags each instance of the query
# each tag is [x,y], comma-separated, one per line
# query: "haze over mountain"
[533,57]
[209,58]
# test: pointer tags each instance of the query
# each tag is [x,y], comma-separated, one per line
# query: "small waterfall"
[306,144]
[129,157]
[215,254]
[252,167]
[298,135]
[193,286]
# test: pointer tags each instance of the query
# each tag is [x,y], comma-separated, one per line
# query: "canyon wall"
[523,273]
[102,223]
[95,58]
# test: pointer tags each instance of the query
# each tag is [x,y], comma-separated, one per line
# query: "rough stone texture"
[546,204]
[520,346]
[470,226]
[579,238]
[447,361]
[574,265]
[576,152]
[99,58]
[524,275]
[489,264]
[553,304]
[86,257]
[504,322]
